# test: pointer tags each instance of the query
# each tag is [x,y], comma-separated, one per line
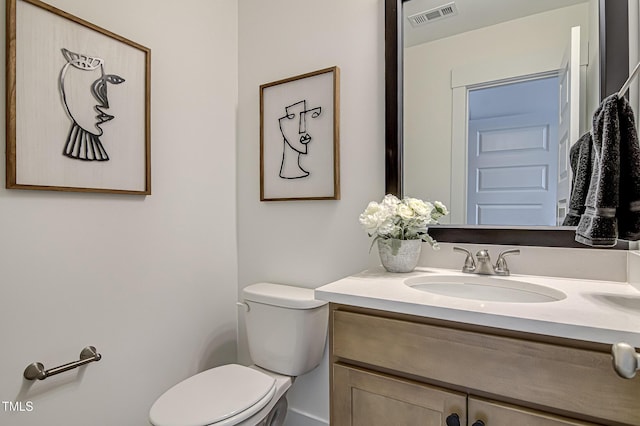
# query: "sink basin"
[485,288]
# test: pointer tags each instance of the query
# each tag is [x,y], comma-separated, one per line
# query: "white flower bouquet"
[406,219]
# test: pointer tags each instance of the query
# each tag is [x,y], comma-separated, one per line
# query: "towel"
[580,157]
[629,207]
[612,204]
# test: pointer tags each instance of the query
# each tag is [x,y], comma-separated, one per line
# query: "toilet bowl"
[228,395]
[286,331]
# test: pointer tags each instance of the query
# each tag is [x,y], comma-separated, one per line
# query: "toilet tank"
[286,327]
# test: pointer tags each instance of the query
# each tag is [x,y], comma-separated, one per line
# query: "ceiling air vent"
[422,18]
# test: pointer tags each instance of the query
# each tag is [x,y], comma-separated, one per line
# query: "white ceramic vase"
[399,255]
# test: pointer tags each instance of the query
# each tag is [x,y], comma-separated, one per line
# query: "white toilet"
[287,332]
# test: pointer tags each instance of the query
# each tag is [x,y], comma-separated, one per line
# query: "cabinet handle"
[478,423]
[453,420]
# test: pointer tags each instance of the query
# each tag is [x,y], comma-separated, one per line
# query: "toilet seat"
[220,396]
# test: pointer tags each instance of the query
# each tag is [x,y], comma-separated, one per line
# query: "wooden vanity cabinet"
[396,369]
[366,398]
[493,413]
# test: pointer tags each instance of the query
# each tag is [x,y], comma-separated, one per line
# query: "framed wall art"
[78,104]
[299,137]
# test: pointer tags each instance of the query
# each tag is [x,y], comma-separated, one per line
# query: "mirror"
[441,79]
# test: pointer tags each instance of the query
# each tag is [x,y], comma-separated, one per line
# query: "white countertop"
[596,311]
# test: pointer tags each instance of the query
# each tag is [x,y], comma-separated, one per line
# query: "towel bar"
[36,370]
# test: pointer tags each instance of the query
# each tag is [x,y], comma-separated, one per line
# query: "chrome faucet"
[484,265]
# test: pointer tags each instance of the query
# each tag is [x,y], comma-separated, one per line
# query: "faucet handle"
[469,262]
[501,267]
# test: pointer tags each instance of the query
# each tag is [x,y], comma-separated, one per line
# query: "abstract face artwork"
[293,127]
[83,88]
[299,137]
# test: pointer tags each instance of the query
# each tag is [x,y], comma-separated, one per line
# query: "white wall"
[593,70]
[310,243]
[428,101]
[150,281]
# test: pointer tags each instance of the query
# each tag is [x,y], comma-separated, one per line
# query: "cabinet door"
[497,414]
[365,398]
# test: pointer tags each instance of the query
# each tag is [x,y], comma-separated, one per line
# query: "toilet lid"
[213,396]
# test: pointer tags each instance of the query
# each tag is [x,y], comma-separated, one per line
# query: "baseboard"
[300,418]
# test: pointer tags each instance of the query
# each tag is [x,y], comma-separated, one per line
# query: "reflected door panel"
[569,120]
[512,158]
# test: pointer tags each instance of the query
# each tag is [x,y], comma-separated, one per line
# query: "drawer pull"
[453,420]
[478,423]
[626,361]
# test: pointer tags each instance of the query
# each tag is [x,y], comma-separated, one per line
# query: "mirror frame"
[614,69]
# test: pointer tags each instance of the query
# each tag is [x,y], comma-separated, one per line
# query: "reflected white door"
[569,120]
[512,157]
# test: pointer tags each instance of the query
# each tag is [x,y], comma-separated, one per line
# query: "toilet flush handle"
[245,305]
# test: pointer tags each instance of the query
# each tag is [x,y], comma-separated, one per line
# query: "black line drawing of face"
[293,127]
[82,83]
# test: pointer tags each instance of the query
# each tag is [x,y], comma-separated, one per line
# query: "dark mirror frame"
[614,66]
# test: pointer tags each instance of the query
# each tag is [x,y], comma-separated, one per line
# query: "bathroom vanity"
[400,355]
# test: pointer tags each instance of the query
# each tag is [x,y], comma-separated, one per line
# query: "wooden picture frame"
[78,104]
[299,137]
